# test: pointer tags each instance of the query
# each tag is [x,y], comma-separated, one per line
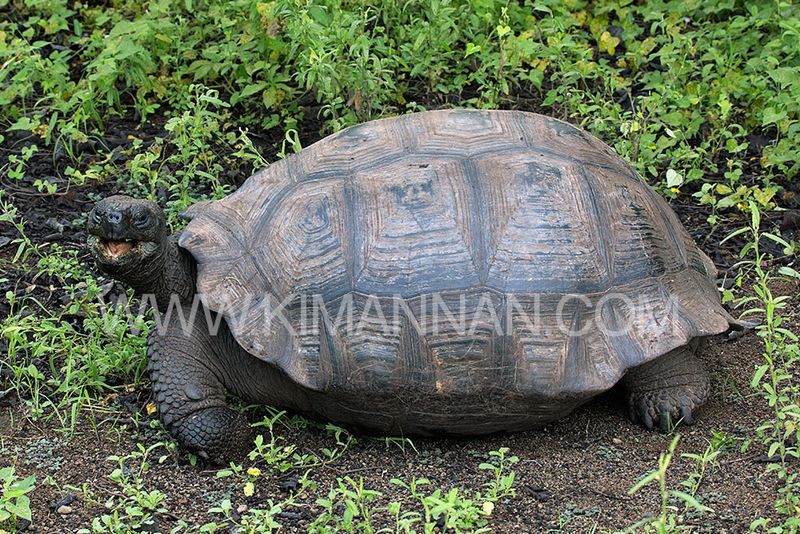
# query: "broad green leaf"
[472,48]
[723,189]
[674,178]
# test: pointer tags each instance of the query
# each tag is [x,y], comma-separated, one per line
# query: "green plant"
[9,215]
[343,56]
[455,509]
[404,520]
[78,360]
[707,460]
[666,520]
[354,500]
[273,455]
[775,379]
[133,507]
[400,443]
[259,520]
[14,501]
[502,485]
[16,164]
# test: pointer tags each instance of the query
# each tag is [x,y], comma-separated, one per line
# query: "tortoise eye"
[141,218]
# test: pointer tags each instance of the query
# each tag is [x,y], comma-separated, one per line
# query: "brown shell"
[500,209]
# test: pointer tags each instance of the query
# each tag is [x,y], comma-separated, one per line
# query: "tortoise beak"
[111,251]
[109,235]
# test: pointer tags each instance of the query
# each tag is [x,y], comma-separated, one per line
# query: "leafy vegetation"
[178,101]
[666,520]
[64,359]
[776,380]
[14,501]
[686,87]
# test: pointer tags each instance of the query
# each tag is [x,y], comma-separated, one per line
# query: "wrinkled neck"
[168,278]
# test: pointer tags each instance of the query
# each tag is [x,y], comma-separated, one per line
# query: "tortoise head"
[127,236]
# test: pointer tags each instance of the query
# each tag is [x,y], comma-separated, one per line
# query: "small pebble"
[64,509]
[241,509]
[616,441]
[67,499]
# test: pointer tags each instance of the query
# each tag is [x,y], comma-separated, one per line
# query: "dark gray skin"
[190,374]
[146,258]
[192,371]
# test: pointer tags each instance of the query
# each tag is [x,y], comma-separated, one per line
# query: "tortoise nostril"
[114,216]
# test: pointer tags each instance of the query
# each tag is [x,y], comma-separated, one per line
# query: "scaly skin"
[192,371]
[186,365]
[173,279]
[189,390]
[666,391]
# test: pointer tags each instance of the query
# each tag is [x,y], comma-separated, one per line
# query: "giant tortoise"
[441,273]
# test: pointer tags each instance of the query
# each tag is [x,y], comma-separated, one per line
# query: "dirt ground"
[573,475]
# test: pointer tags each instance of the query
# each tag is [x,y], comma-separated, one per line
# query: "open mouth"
[116,249]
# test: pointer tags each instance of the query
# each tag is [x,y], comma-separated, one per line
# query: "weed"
[273,455]
[17,164]
[58,365]
[702,98]
[666,520]
[133,507]
[10,215]
[572,511]
[44,454]
[502,484]
[400,443]
[261,519]
[347,507]
[635,75]
[610,453]
[707,460]
[456,509]
[775,379]
[14,501]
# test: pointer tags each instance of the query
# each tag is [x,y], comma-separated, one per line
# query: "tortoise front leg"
[185,364]
[667,390]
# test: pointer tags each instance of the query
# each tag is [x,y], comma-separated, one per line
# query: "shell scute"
[504,216]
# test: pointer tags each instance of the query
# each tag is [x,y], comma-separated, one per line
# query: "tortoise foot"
[217,434]
[666,391]
[665,408]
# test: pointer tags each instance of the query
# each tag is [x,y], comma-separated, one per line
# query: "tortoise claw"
[686,415]
[644,415]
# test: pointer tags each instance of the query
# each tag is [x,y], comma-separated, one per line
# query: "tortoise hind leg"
[666,391]
[185,363]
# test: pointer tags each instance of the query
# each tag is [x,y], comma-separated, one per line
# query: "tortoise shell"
[510,214]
